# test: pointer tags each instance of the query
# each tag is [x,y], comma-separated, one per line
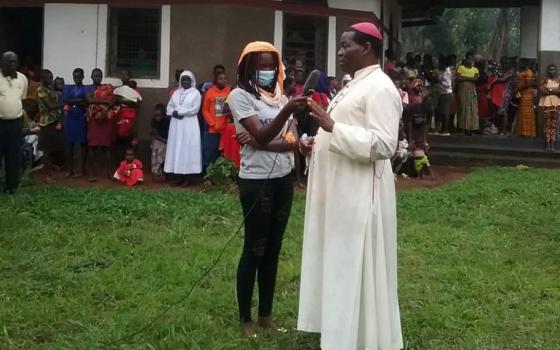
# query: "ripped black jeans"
[264,230]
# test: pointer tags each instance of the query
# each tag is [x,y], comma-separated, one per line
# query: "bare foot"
[301,185]
[268,324]
[249,330]
[208,184]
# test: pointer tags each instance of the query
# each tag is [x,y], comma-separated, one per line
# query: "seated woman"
[130,171]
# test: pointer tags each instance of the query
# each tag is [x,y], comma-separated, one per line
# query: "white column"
[332,47]
[279,30]
[102,16]
[550,26]
[529,31]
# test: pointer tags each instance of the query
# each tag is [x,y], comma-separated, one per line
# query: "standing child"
[418,113]
[215,115]
[130,171]
[160,132]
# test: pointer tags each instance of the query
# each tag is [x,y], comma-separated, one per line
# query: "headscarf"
[260,47]
[179,97]
[190,75]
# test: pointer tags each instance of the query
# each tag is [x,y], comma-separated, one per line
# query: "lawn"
[479,267]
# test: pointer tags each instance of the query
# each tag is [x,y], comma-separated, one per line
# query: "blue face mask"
[266,77]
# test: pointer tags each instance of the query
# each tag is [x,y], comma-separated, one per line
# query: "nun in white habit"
[184,155]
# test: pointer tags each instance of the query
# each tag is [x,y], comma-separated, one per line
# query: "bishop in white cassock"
[349,268]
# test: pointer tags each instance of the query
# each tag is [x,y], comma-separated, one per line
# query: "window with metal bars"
[134,41]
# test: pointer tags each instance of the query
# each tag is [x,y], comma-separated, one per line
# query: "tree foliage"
[492,33]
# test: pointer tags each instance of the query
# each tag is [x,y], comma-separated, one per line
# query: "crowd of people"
[89,130]
[89,125]
[469,96]
[93,126]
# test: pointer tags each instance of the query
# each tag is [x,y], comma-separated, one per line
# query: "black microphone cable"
[209,269]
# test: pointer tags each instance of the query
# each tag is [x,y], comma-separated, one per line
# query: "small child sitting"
[130,171]
[31,127]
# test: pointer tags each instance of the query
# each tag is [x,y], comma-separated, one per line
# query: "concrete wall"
[203,36]
[550,33]
[530,31]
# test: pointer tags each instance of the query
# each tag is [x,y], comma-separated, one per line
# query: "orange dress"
[526,121]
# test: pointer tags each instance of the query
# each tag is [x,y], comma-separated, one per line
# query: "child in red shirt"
[130,171]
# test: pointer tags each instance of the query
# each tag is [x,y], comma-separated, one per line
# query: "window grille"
[134,41]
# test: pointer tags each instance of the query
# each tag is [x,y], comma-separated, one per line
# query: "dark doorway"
[305,42]
[21,31]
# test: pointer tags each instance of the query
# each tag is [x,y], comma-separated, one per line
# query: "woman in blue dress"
[75,99]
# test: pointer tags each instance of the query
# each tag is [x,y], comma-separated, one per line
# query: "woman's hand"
[296,104]
[306,145]
[320,115]
[244,138]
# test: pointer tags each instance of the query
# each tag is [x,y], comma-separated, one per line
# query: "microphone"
[311,82]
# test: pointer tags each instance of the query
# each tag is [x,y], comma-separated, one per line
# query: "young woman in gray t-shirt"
[268,137]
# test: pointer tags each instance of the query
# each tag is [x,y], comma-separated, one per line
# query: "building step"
[496,151]
[459,158]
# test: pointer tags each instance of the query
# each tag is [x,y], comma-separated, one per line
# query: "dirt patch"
[442,175]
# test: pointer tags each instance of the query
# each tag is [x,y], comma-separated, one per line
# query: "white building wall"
[358,5]
[550,25]
[80,40]
[529,31]
[70,41]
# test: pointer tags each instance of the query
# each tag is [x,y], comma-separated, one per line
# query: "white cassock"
[183,153]
[349,268]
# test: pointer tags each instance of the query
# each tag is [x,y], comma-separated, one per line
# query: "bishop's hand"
[320,115]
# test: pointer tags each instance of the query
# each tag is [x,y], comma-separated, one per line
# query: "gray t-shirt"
[257,164]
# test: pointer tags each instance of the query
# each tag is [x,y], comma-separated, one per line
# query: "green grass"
[479,267]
